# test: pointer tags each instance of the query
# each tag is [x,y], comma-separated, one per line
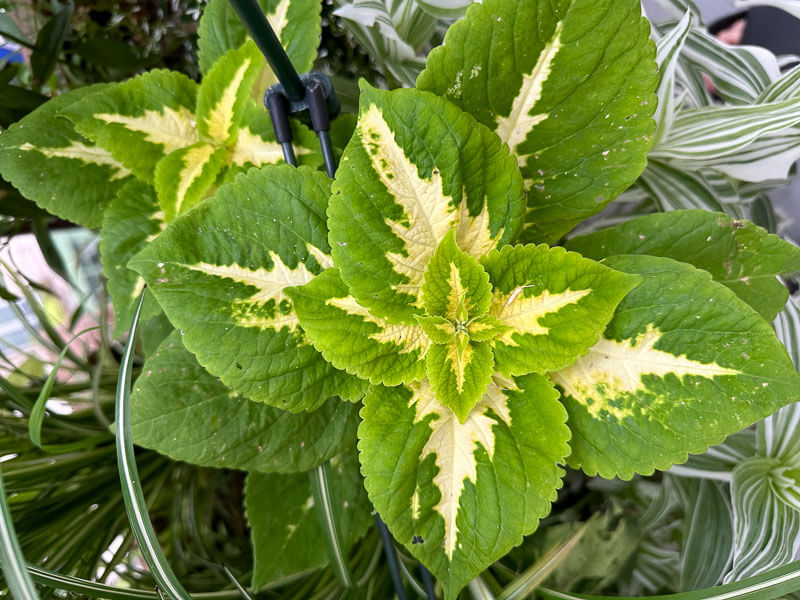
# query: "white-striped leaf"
[286,534]
[416,168]
[184,412]
[714,132]
[766,527]
[555,305]
[470,491]
[63,172]
[738,254]
[141,120]
[220,273]
[579,132]
[668,50]
[392,31]
[677,189]
[683,364]
[785,88]
[132,220]
[779,434]
[739,73]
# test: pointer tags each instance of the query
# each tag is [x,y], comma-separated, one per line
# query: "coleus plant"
[421,282]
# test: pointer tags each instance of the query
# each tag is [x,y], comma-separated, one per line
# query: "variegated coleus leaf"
[56,167]
[554,303]
[738,254]
[457,295]
[416,168]
[184,412]
[220,272]
[295,22]
[468,491]
[140,120]
[568,85]
[682,364]
[132,220]
[185,139]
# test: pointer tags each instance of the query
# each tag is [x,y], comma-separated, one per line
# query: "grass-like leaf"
[323,504]
[14,570]
[135,505]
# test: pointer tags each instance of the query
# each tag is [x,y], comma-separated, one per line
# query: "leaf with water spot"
[132,220]
[63,172]
[140,120]
[416,168]
[286,533]
[181,410]
[351,338]
[554,304]
[468,492]
[738,254]
[683,364]
[571,93]
[221,273]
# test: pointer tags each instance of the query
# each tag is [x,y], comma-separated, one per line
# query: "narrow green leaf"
[49,41]
[738,254]
[36,418]
[531,578]
[327,513]
[15,572]
[135,504]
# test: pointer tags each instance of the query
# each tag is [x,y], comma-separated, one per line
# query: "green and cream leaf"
[416,168]
[63,172]
[140,120]
[738,254]
[459,372]
[221,271]
[470,491]
[351,338]
[683,364]
[184,412]
[225,92]
[579,132]
[455,284]
[185,176]
[554,304]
